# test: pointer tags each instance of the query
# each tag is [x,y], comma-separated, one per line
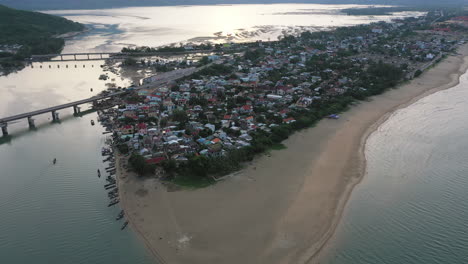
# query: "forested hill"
[98,4]
[29,28]
[34,33]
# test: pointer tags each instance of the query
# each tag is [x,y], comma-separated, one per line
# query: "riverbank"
[283,207]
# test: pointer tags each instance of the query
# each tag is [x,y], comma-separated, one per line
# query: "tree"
[138,163]
[417,73]
[179,116]
[123,148]
[169,166]
[129,62]
[203,61]
[198,165]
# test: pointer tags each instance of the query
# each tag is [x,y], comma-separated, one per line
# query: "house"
[157,160]
[142,128]
[127,129]
[289,120]
[246,109]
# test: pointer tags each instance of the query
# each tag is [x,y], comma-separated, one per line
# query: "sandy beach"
[284,206]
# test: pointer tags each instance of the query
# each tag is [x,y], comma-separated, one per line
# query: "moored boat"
[121,215]
[113,202]
[124,225]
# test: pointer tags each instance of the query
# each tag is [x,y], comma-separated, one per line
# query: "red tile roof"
[155,160]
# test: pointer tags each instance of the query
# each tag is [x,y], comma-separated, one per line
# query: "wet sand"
[284,206]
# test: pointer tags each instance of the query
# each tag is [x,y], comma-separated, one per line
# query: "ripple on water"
[412,207]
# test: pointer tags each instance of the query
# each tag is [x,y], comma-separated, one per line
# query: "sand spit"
[283,207]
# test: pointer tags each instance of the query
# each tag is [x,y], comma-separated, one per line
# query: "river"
[412,206]
[114,29]
[58,213]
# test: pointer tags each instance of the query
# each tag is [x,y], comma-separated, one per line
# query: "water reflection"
[113,29]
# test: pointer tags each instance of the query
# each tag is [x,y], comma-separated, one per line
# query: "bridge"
[55,116]
[108,55]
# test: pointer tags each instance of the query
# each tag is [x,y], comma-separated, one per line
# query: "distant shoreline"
[304,187]
[72,34]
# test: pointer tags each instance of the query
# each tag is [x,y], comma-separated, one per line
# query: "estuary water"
[113,29]
[412,206]
[58,213]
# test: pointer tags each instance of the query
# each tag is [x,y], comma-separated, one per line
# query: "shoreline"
[463,68]
[72,34]
[323,163]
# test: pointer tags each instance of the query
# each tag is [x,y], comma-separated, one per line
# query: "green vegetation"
[139,165]
[417,73]
[169,49]
[31,33]
[192,182]
[213,70]
[254,55]
[278,146]
[129,62]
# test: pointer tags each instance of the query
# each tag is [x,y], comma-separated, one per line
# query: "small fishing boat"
[99,173]
[120,216]
[92,122]
[124,225]
[55,161]
[108,187]
[113,202]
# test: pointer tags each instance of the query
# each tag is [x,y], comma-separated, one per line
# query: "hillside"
[34,30]
[24,33]
[93,4]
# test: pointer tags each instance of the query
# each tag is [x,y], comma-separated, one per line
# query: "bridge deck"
[58,107]
[121,53]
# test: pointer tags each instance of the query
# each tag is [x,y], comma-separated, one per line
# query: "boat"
[55,161]
[121,215]
[109,186]
[113,202]
[99,173]
[124,225]
[92,122]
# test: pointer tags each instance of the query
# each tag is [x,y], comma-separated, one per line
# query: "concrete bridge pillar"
[76,109]
[31,122]
[101,55]
[4,129]
[61,57]
[74,56]
[55,116]
[88,56]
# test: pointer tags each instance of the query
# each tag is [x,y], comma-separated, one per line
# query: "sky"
[97,4]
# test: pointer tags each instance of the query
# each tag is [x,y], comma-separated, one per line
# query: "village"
[247,100]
